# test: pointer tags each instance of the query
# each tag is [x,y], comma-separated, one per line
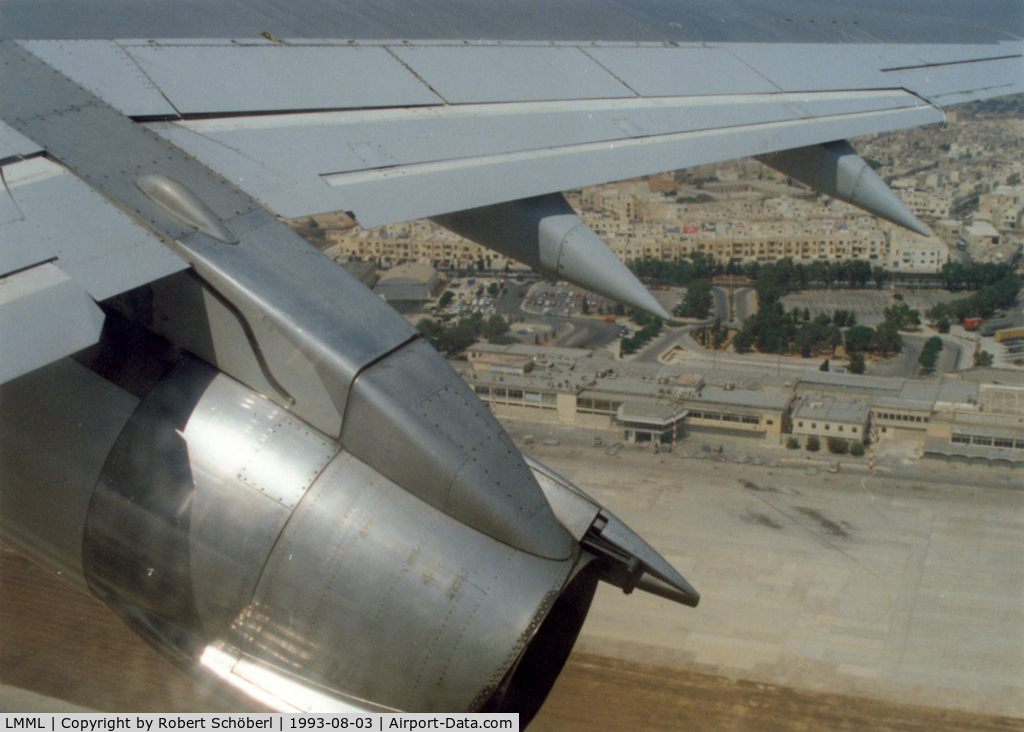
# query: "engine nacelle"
[233,536]
[244,543]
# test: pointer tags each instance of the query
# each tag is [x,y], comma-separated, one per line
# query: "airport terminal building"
[965,417]
[648,402]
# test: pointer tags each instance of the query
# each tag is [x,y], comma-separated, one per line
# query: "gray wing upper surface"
[328,112]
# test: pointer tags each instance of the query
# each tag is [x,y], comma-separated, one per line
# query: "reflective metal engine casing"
[233,535]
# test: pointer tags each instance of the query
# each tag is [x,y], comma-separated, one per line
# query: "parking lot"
[867,304]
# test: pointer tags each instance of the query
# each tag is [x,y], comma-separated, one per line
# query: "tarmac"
[829,601]
[851,583]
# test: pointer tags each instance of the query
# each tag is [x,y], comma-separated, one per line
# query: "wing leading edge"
[436,128]
[396,131]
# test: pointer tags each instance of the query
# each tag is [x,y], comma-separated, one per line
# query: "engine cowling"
[246,544]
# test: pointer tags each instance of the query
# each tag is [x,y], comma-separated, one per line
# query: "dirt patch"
[761,519]
[596,693]
[840,531]
[60,642]
[750,485]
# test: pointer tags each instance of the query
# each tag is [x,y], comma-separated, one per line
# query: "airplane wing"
[147,152]
[393,130]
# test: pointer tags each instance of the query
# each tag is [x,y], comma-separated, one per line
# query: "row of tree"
[997,295]
[957,276]
[454,336]
[836,445]
[650,329]
[700,266]
[786,274]
[697,301]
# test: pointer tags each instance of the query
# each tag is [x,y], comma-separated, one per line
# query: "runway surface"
[829,602]
[901,591]
[65,646]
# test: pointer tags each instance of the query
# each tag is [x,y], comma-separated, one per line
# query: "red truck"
[972,323]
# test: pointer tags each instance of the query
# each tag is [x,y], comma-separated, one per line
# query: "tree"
[503,340]
[838,271]
[887,339]
[494,326]
[446,297]
[817,272]
[943,324]
[856,365]
[813,444]
[792,443]
[930,354]
[824,365]
[743,341]
[719,333]
[810,337]
[953,276]
[431,330]
[859,272]
[983,359]
[835,338]
[902,315]
[880,276]
[859,338]
[857,448]
[844,318]
[493,289]
[837,445]
[585,307]
[697,303]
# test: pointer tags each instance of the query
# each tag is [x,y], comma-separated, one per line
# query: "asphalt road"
[745,304]
[576,331]
[905,365]
[721,303]
[586,333]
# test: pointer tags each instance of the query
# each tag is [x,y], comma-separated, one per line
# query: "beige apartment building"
[927,204]
[1003,207]
[910,252]
[760,241]
[422,242]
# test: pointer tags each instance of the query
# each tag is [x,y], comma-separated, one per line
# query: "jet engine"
[267,472]
[245,543]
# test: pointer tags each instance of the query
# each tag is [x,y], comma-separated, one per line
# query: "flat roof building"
[407,286]
[830,416]
[654,402]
